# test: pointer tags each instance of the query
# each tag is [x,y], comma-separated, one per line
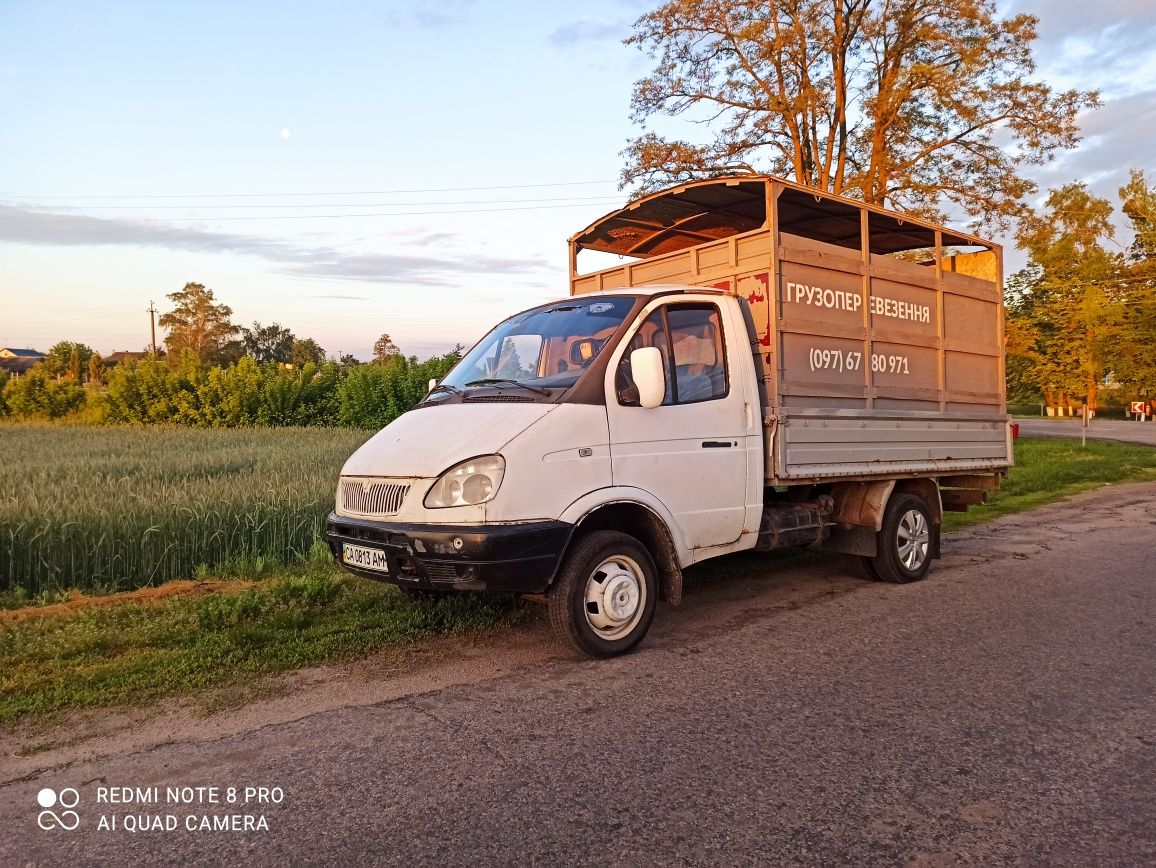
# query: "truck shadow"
[733,591]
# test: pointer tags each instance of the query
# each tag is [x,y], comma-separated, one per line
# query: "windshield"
[545,349]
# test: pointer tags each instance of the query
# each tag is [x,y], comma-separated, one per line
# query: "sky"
[352,168]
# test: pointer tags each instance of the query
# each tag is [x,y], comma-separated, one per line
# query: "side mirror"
[432,384]
[649,377]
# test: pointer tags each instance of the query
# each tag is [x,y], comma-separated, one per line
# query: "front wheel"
[603,601]
[903,545]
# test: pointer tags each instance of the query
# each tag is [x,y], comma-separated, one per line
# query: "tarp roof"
[701,211]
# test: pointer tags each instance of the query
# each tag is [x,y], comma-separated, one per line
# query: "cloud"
[1109,45]
[1061,18]
[587,30]
[1115,138]
[23,225]
[429,15]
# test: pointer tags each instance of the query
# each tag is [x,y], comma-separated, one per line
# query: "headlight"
[469,483]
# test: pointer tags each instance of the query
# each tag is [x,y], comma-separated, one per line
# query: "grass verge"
[1050,469]
[138,650]
[131,649]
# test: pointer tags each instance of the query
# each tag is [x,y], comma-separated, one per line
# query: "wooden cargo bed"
[879,336]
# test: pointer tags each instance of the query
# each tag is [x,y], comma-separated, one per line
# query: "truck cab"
[584,452]
[544,428]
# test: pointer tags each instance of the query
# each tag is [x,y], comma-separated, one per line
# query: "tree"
[306,351]
[270,343]
[197,323]
[96,369]
[38,395]
[1067,318]
[229,354]
[385,349]
[911,104]
[64,353]
[348,360]
[1137,363]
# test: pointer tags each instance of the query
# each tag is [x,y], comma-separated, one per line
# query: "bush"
[37,395]
[189,392]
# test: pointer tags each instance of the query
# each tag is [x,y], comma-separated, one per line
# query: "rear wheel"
[604,598]
[903,545]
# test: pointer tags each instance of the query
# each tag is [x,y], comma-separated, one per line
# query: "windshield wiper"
[507,382]
[442,387]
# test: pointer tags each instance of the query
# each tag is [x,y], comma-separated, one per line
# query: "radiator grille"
[441,572]
[373,498]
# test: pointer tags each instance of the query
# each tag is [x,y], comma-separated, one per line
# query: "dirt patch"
[143,596]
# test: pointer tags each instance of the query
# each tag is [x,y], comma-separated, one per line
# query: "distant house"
[123,356]
[15,362]
[16,367]
[13,353]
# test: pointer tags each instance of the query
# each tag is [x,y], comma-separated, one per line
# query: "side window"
[689,336]
[700,372]
[652,333]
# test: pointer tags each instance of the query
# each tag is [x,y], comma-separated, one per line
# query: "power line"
[574,199]
[331,193]
[378,214]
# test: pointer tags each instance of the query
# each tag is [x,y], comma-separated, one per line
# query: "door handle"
[717,444]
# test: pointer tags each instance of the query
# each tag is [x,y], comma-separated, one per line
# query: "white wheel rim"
[615,597]
[914,539]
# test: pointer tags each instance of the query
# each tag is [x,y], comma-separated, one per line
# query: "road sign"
[1138,406]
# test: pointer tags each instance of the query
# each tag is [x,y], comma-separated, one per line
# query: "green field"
[137,647]
[104,509]
[108,509]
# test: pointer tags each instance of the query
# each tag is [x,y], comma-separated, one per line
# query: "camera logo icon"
[66,799]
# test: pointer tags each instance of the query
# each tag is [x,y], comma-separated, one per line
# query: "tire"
[863,568]
[603,600]
[903,545]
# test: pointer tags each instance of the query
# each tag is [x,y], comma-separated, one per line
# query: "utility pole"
[152,311]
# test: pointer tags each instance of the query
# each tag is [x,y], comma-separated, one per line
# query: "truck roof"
[701,211]
[652,289]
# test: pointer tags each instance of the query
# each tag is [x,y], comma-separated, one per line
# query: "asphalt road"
[1004,710]
[1143,433]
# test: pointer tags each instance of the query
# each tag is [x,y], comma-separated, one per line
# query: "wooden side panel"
[973,339]
[875,366]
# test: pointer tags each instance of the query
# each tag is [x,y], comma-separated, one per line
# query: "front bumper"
[505,558]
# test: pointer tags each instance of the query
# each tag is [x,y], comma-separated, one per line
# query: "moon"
[284,134]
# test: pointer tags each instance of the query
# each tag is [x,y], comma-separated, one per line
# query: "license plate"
[364,557]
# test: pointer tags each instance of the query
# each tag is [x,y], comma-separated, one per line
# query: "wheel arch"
[860,507]
[644,523]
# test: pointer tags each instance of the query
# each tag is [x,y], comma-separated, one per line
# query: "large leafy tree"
[1137,363]
[306,351]
[912,104]
[64,353]
[270,343]
[1067,309]
[199,324]
[385,349]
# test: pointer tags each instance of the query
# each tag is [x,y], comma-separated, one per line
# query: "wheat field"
[121,508]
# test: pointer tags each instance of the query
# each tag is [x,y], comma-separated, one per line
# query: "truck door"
[691,451]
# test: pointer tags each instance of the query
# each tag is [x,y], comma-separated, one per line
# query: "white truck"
[768,367]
